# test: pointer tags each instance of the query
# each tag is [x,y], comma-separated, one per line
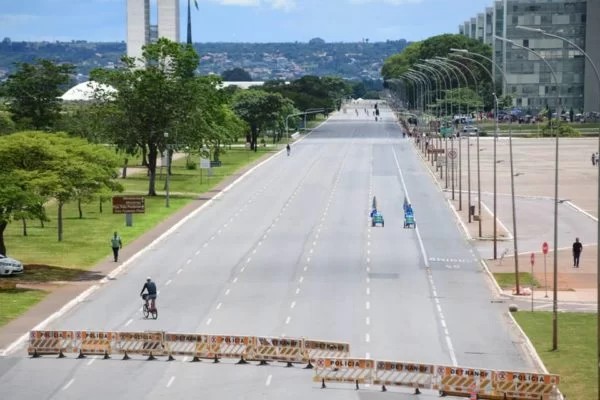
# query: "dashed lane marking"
[68,384]
[170,381]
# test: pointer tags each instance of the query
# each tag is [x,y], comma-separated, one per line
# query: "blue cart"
[409,220]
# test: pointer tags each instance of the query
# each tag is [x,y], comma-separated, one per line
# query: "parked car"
[470,130]
[9,266]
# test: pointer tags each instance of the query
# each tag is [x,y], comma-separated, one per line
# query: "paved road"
[289,251]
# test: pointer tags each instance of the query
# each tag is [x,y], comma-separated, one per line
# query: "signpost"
[545,251]
[532,262]
[204,164]
[129,205]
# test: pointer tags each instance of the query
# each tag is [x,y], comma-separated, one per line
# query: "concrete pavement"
[534,186]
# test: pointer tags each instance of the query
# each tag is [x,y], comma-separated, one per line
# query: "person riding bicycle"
[150,287]
[288,149]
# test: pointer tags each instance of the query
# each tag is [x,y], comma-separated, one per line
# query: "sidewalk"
[61,293]
[575,285]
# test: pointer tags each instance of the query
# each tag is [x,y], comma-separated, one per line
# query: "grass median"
[575,360]
[86,240]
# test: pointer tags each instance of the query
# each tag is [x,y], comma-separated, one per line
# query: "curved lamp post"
[555,261]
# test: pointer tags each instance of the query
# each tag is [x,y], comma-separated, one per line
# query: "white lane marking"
[305,269]
[179,271]
[287,320]
[243,268]
[368,279]
[297,290]
[219,305]
[293,304]
[168,282]
[254,251]
[368,260]
[368,321]
[314,243]
[68,384]
[158,292]
[189,261]
[197,252]
[367,338]
[205,244]
[91,362]
[307,259]
[368,305]
[225,226]
[260,242]
[368,291]
[368,355]
[248,260]
[426,261]
[185,359]
[235,279]
[301,279]
[170,381]
[129,322]
[368,269]
[227,292]
[219,231]
[212,238]
[311,251]
[268,382]
[209,321]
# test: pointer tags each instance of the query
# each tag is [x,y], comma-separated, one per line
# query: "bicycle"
[147,310]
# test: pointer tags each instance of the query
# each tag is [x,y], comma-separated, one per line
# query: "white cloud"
[285,5]
[391,2]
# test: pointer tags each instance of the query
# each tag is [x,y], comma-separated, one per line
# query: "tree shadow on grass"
[38,273]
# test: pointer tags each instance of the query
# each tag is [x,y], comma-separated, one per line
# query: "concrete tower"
[138,23]
[138,26]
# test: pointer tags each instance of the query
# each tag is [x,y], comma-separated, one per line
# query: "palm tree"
[189,21]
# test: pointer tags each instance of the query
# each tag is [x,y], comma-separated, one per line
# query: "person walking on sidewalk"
[116,244]
[593,159]
[577,248]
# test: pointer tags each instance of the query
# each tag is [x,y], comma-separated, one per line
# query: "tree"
[34,91]
[42,166]
[152,100]
[236,75]
[258,108]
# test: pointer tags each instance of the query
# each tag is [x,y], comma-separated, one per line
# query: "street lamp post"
[167,183]
[558,112]
[595,68]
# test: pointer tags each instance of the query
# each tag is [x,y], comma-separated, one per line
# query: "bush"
[7,125]
[564,129]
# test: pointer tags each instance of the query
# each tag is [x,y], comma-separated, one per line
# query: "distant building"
[529,80]
[139,30]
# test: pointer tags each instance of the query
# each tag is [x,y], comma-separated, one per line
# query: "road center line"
[68,384]
[235,279]
[168,282]
[227,292]
[368,305]
[293,304]
[189,261]
[297,290]
[367,338]
[179,271]
[170,381]
[287,320]
[129,322]
[209,321]
[91,362]
[368,291]
[219,305]
[301,279]
[368,321]
[268,380]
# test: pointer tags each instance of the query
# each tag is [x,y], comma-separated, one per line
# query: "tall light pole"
[558,112]
[167,204]
[595,68]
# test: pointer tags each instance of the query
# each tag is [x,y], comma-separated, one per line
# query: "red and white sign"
[545,248]
[532,259]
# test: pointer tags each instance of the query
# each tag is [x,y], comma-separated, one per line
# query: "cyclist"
[151,295]
[288,149]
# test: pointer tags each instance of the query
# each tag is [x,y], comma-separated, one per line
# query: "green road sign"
[447,131]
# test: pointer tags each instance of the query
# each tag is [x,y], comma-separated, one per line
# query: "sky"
[244,20]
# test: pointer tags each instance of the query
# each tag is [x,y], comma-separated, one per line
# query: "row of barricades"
[455,381]
[197,346]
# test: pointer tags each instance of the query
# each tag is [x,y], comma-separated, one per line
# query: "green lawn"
[14,302]
[576,357]
[87,240]
[506,280]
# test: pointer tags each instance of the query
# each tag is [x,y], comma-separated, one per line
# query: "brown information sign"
[129,204]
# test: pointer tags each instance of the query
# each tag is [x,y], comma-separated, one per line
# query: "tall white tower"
[168,19]
[138,26]
[138,23]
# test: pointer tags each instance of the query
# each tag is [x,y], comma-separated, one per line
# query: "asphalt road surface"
[290,250]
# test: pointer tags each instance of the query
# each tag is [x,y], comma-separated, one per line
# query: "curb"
[530,349]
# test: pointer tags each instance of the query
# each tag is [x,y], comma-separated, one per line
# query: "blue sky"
[245,20]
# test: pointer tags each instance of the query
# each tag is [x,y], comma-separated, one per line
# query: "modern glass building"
[528,79]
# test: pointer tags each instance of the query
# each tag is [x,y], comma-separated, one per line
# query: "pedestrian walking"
[593,159]
[116,244]
[577,249]
[288,149]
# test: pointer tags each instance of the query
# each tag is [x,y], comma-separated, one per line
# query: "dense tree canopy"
[34,92]
[236,75]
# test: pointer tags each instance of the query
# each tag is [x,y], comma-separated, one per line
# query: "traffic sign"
[452,154]
[545,248]
[532,259]
[129,204]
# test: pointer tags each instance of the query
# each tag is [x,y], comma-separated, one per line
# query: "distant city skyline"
[244,20]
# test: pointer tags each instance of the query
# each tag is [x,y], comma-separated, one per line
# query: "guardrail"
[198,346]
[452,381]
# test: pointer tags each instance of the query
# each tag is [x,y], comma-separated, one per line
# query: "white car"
[9,266]
[470,130]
